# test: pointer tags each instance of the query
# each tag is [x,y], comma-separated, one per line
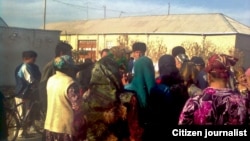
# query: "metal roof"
[3,23]
[214,23]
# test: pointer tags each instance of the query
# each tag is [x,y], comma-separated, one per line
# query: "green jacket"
[105,83]
[143,80]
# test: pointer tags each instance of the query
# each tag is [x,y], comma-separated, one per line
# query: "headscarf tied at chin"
[219,64]
[64,62]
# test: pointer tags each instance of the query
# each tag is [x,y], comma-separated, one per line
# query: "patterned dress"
[79,121]
[215,107]
[246,94]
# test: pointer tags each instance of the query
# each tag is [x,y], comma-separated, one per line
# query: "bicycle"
[15,121]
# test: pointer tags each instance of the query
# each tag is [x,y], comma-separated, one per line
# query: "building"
[3,23]
[14,40]
[209,32]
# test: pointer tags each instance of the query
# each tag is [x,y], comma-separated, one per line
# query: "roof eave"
[155,33]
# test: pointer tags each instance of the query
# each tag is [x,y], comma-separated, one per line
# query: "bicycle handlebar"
[9,97]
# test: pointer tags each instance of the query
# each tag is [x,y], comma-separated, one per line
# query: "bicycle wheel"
[39,123]
[12,125]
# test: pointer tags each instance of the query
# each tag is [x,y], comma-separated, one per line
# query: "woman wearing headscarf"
[167,67]
[65,120]
[219,104]
[169,92]
[173,93]
[189,74]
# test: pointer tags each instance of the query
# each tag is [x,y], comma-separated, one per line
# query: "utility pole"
[104,11]
[87,11]
[168,8]
[121,14]
[44,15]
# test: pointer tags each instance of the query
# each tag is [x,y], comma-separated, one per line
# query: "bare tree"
[204,50]
[207,49]
[155,50]
[123,40]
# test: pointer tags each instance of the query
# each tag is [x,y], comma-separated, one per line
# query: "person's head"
[63,48]
[167,70]
[29,56]
[240,75]
[139,49]
[65,64]
[88,60]
[104,52]
[120,55]
[189,73]
[178,50]
[218,67]
[166,65]
[180,59]
[198,62]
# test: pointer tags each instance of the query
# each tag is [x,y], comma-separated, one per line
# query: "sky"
[34,13]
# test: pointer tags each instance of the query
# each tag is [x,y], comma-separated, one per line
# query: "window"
[88,49]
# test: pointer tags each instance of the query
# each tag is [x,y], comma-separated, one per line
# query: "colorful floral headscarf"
[64,62]
[220,64]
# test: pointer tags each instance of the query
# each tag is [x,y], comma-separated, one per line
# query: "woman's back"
[215,107]
[218,104]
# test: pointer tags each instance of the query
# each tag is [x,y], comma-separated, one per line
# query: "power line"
[148,11]
[106,9]
[73,5]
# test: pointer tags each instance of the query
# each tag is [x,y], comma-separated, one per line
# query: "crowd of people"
[120,97]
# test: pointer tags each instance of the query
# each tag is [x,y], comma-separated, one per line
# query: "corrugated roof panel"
[195,24]
[175,24]
[238,26]
[3,23]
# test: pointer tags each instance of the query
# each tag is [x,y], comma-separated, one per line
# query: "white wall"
[243,44]
[13,41]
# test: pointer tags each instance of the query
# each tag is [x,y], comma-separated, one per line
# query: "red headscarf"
[220,64]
